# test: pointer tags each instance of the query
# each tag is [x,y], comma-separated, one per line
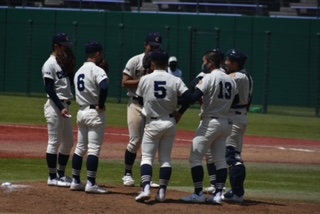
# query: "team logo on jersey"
[61,74]
[127,69]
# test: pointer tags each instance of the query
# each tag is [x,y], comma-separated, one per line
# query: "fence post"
[266,72]
[30,21]
[217,35]
[317,109]
[121,44]
[192,52]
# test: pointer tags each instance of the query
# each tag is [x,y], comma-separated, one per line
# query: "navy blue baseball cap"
[219,52]
[160,55]
[154,39]
[62,39]
[93,47]
[236,56]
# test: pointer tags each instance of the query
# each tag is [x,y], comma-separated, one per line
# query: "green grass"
[283,122]
[265,181]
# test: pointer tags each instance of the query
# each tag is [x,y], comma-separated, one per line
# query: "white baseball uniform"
[60,129]
[239,113]
[134,68]
[91,123]
[160,91]
[218,90]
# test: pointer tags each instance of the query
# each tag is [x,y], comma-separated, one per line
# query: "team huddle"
[157,100]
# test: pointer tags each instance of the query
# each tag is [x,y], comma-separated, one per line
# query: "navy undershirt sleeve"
[185,101]
[103,93]
[49,86]
[196,95]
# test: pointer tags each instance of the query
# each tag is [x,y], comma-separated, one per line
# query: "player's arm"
[195,81]
[185,101]
[103,93]
[49,86]
[129,82]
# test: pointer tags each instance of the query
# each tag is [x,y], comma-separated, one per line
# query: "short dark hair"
[160,58]
[214,57]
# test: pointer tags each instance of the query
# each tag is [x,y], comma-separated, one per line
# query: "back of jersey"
[219,90]
[160,91]
[86,83]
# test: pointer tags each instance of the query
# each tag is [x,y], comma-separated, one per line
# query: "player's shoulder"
[136,58]
[50,63]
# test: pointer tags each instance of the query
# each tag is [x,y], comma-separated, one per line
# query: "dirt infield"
[30,142]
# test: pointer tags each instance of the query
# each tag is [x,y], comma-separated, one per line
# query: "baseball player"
[91,88]
[235,61]
[172,68]
[211,168]
[132,73]
[218,91]
[197,79]
[158,93]
[56,72]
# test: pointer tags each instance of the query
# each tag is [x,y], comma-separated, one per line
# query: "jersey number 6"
[80,82]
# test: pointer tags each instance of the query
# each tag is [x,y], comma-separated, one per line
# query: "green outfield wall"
[289,53]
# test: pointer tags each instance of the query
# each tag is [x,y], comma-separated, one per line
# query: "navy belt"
[238,112]
[90,106]
[155,118]
[214,117]
[135,98]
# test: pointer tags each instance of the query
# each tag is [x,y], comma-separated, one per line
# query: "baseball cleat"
[161,195]
[194,198]
[77,186]
[52,182]
[128,181]
[143,196]
[154,185]
[231,197]
[209,190]
[215,199]
[95,189]
[58,182]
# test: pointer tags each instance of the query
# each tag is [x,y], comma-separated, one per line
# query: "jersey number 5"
[80,82]
[159,90]
[227,94]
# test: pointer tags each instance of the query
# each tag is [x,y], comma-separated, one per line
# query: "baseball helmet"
[237,56]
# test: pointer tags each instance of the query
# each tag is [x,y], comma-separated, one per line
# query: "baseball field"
[281,151]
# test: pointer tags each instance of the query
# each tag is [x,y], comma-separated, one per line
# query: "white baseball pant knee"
[135,125]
